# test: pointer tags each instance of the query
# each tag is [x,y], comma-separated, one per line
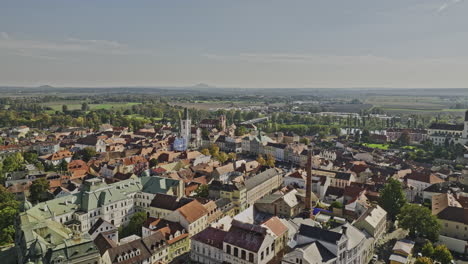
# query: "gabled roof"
[211,236]
[426,177]
[319,234]
[446,127]
[455,214]
[246,236]
[98,224]
[193,211]
[168,202]
[276,226]
[259,178]
[315,251]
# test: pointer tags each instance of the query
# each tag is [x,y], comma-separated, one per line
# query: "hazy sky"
[235,43]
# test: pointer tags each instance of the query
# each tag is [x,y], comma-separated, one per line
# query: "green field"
[76,105]
[377,146]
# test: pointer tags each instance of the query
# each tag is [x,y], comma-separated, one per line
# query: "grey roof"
[259,178]
[316,251]
[319,233]
[246,236]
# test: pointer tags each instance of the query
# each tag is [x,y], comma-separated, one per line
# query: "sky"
[235,43]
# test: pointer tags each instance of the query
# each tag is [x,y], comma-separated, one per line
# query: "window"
[236,252]
[251,257]
[228,249]
[243,254]
[261,256]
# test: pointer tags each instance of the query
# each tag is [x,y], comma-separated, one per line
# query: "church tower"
[222,122]
[465,126]
[185,127]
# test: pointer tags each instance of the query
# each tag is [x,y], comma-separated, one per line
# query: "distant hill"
[45,87]
[203,85]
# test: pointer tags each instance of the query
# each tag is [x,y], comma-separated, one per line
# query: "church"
[454,133]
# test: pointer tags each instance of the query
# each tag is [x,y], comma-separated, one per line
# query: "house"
[402,251]
[163,204]
[342,245]
[242,243]
[210,124]
[262,184]
[176,236]
[373,222]
[456,133]
[105,228]
[77,169]
[285,205]
[453,216]
[276,150]
[312,253]
[151,249]
[192,216]
[234,192]
[57,157]
[279,231]
[415,135]
[207,246]
[91,141]
[418,181]
[45,148]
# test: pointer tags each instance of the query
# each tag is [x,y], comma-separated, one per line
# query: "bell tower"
[465,126]
[185,126]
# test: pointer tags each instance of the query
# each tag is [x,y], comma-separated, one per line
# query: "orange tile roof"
[276,226]
[193,211]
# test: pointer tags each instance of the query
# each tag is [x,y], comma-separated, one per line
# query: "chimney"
[162,183]
[308,198]
[344,229]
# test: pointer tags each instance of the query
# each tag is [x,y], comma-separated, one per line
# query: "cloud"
[97,42]
[447,4]
[4,35]
[442,7]
[48,49]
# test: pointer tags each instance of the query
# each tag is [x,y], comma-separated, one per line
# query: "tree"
[8,209]
[392,198]
[39,190]
[423,260]
[222,157]
[261,160]
[232,156]
[335,204]
[134,226]
[442,254]
[427,250]
[88,153]
[153,163]
[419,221]
[205,152]
[84,107]
[205,133]
[304,141]
[365,135]
[202,191]
[270,161]
[63,166]
[214,150]
[240,131]
[30,157]
[65,108]
[404,139]
[13,162]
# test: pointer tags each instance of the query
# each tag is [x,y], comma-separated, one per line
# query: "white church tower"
[185,127]
[465,126]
